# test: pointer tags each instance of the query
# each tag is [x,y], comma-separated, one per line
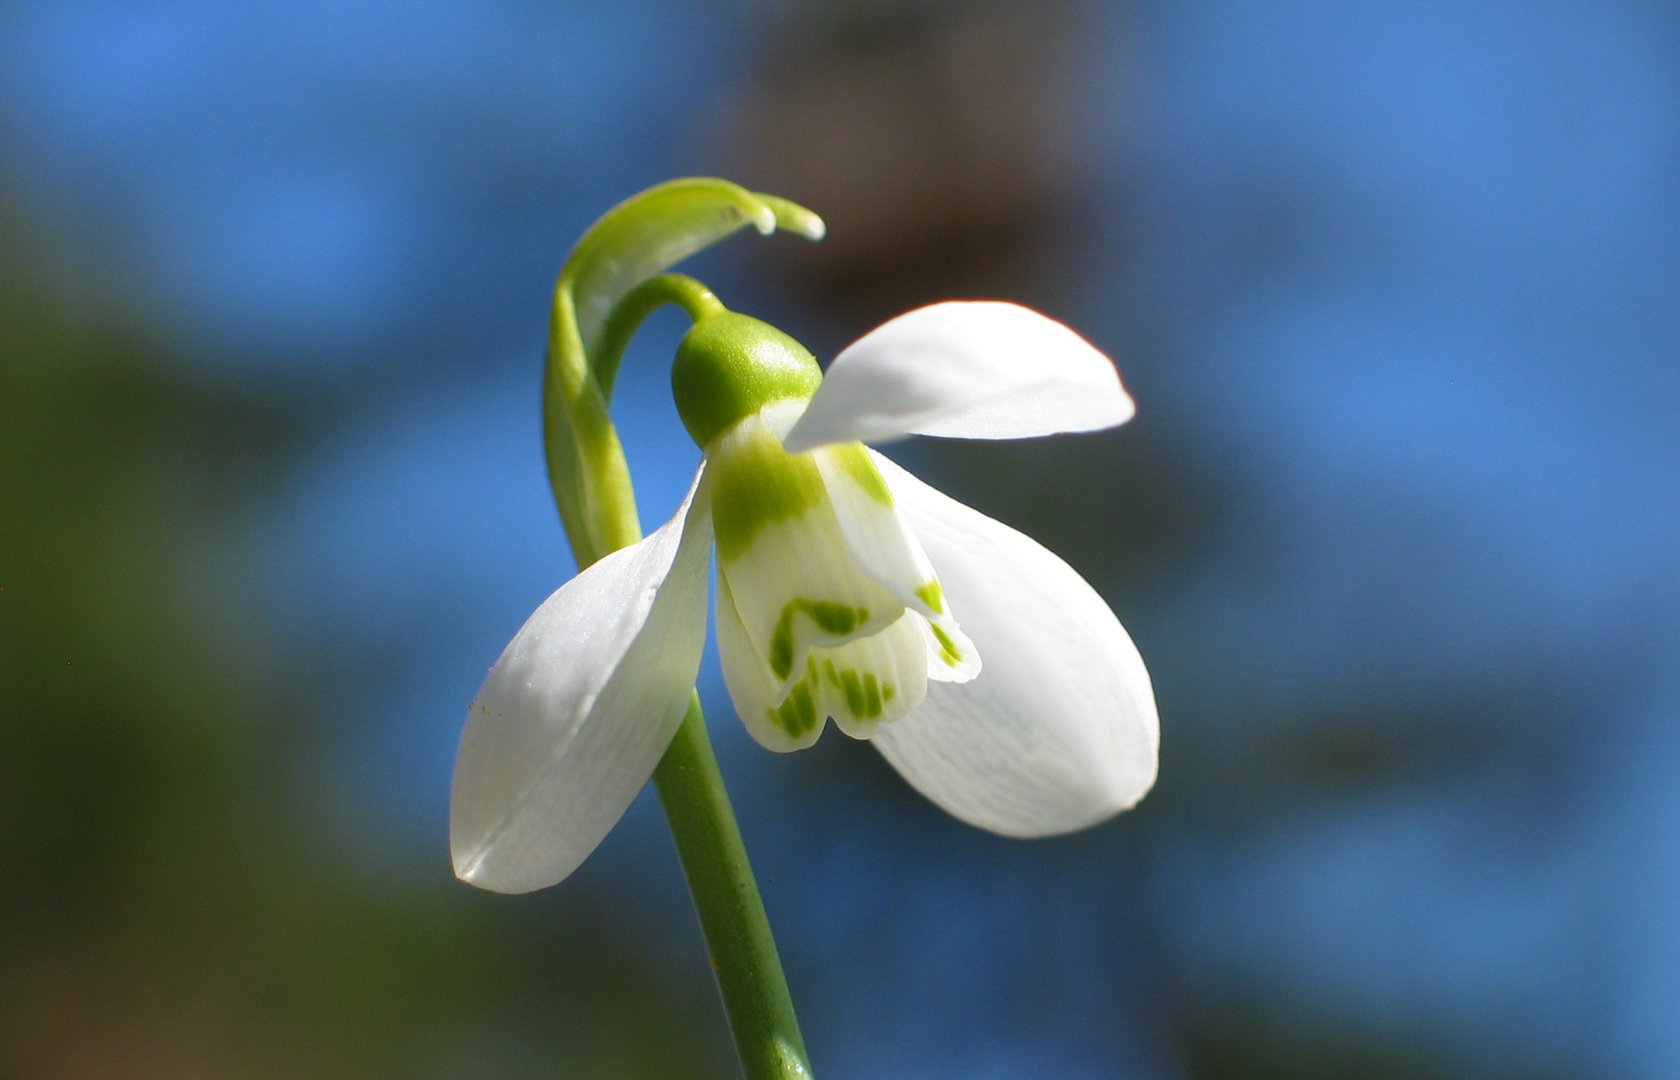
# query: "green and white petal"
[578,710]
[861,684]
[975,369]
[882,543]
[782,552]
[1059,731]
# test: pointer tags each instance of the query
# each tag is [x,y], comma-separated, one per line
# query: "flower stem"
[708,840]
[695,299]
[732,918]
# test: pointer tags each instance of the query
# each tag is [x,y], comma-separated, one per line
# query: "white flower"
[983,667]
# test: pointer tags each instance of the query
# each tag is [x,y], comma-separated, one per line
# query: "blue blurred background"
[1396,528]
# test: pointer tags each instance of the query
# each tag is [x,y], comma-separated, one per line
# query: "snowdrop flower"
[985,670]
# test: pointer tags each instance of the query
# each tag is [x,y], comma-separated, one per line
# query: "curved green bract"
[648,233]
[634,241]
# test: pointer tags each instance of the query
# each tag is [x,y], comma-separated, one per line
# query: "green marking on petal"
[948,650]
[835,619]
[933,596]
[852,685]
[797,714]
[853,459]
[756,483]
[865,695]
[805,703]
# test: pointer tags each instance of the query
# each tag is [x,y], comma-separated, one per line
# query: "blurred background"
[1397,529]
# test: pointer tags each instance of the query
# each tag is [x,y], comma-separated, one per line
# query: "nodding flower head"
[983,667]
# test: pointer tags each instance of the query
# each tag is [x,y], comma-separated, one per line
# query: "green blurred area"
[167,909]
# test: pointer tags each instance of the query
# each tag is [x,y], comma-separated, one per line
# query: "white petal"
[882,543]
[583,702]
[1059,731]
[977,369]
[783,555]
[861,684]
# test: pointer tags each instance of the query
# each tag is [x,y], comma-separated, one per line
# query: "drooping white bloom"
[983,667]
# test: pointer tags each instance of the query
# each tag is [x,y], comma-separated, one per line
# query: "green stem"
[680,289]
[708,840]
[720,879]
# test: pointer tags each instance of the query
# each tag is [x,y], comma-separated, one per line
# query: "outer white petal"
[1059,730]
[975,369]
[574,716]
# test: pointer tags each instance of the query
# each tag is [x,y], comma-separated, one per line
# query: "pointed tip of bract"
[811,227]
[790,217]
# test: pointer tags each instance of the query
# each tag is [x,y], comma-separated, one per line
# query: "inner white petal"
[784,556]
[860,684]
[868,681]
[879,538]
